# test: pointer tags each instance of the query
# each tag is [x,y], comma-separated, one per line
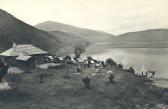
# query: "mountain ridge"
[151,35]
[90,35]
[152,38]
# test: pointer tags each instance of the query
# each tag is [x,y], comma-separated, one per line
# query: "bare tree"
[78,50]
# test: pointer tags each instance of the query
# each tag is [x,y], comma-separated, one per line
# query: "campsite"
[57,83]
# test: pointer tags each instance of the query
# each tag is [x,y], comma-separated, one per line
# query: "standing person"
[3,70]
[102,62]
[111,78]
[146,74]
[142,73]
[78,68]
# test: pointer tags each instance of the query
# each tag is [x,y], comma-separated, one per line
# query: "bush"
[120,66]
[111,62]
[89,58]
[86,81]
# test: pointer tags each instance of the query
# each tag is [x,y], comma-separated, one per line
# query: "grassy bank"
[62,88]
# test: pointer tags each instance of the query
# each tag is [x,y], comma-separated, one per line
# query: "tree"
[3,70]
[78,50]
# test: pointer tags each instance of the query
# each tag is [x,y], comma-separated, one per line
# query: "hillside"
[70,41]
[62,88]
[14,30]
[90,35]
[155,37]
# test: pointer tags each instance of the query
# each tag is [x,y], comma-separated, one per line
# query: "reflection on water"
[153,58]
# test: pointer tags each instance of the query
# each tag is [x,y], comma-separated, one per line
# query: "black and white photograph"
[83,54]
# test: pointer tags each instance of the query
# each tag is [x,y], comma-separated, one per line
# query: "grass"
[61,88]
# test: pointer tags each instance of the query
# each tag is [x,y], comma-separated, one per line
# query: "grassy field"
[62,88]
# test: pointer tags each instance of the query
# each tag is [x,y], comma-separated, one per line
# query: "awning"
[23,58]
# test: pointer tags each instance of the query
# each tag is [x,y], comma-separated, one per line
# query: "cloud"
[115,16]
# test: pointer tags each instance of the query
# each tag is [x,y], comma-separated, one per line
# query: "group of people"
[147,72]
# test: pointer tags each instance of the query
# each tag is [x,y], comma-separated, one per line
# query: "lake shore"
[153,58]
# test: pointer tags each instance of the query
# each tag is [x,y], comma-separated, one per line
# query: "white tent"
[143,69]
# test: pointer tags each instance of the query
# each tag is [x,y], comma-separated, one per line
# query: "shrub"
[120,66]
[111,62]
[86,82]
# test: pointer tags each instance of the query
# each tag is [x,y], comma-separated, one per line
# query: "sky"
[113,16]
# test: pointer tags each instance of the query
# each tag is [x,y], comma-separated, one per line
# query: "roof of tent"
[143,69]
[18,50]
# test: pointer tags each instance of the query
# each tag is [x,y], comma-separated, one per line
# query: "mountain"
[14,30]
[154,37]
[90,35]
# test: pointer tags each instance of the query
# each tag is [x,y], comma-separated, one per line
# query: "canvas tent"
[144,70]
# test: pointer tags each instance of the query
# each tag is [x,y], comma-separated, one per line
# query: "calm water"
[152,58]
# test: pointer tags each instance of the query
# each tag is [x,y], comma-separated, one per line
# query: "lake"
[152,58]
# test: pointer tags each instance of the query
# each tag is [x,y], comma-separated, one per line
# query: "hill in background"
[14,30]
[147,38]
[91,35]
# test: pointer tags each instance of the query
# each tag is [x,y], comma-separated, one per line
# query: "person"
[153,74]
[142,73]
[3,70]
[146,74]
[78,69]
[102,62]
[86,81]
[111,78]
[41,78]
[131,69]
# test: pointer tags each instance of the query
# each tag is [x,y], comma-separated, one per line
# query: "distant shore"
[134,45]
